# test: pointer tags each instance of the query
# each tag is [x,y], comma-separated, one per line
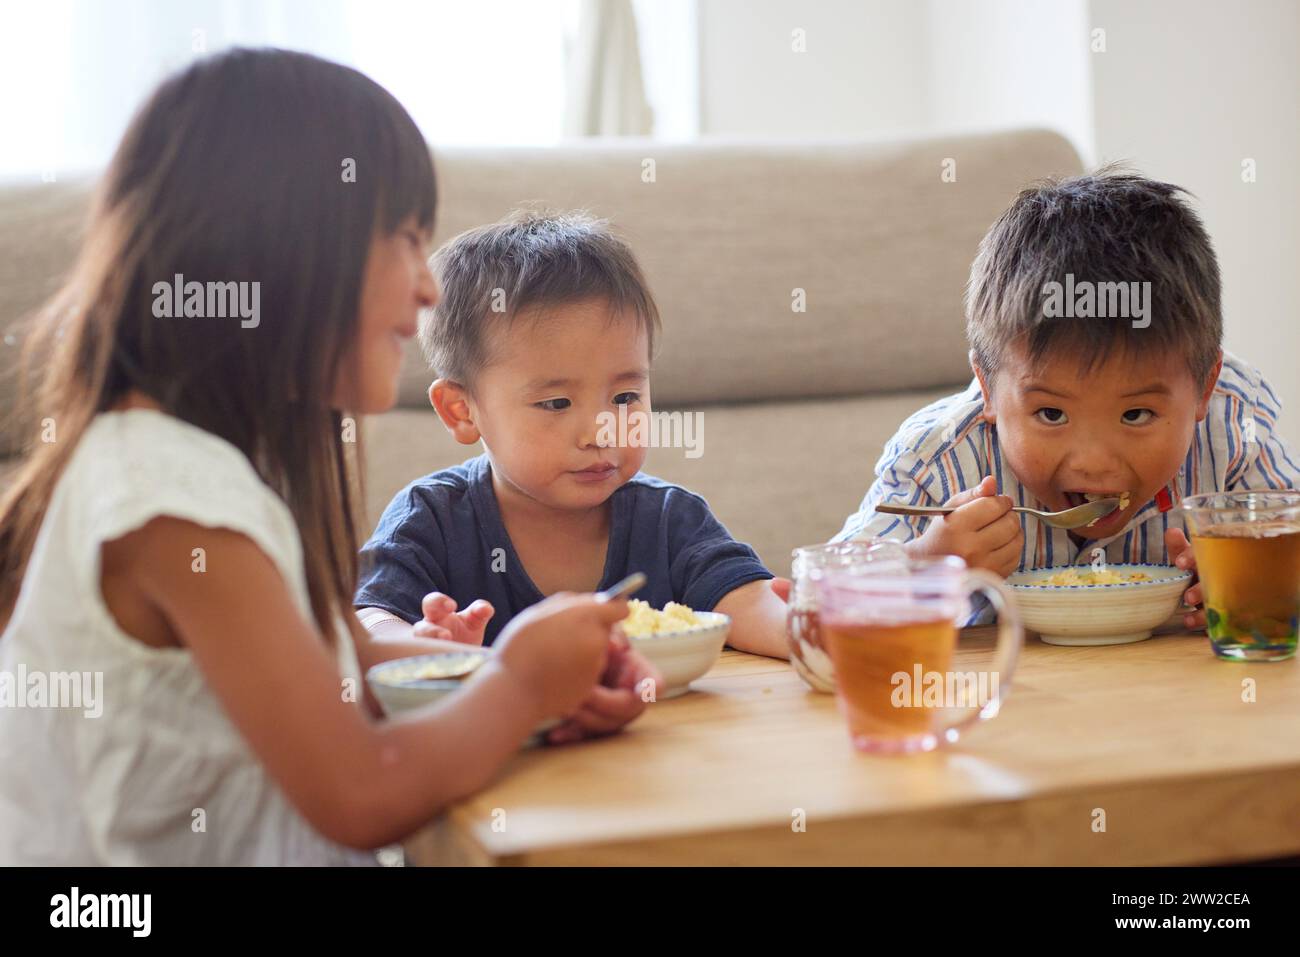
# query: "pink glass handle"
[1011,637]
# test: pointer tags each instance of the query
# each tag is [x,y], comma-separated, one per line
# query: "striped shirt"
[948,446]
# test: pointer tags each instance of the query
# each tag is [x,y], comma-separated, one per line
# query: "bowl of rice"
[1111,605]
[683,644]
[405,684]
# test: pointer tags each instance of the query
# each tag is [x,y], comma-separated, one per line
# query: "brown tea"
[1250,580]
[871,658]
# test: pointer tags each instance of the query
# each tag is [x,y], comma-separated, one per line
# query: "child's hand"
[558,649]
[1180,554]
[983,531]
[618,698]
[441,620]
[781,588]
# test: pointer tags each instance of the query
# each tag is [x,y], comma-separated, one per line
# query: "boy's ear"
[451,401]
[989,415]
[1203,407]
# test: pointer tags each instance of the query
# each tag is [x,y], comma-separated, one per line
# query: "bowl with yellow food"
[683,644]
[405,684]
[1110,605]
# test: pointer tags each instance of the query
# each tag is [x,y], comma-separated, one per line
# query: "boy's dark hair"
[1111,227]
[492,274]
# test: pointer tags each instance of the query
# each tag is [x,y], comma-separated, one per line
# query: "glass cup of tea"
[891,628]
[803,634]
[1247,548]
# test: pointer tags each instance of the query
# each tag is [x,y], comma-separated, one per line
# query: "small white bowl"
[392,683]
[1098,614]
[682,656]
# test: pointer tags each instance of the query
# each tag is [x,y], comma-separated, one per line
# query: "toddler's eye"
[626,398]
[554,405]
[1138,416]
[1051,416]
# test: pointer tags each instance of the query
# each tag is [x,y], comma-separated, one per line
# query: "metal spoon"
[1077,517]
[629,586]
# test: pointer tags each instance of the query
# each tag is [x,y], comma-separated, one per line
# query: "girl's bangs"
[408,186]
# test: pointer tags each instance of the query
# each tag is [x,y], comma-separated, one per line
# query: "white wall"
[1001,63]
[887,67]
[864,67]
[1187,89]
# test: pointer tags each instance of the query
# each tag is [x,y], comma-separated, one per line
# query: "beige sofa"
[795,405]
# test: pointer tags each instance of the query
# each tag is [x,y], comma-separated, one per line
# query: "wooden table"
[1155,734]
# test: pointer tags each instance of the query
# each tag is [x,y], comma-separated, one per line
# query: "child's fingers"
[564,733]
[1194,620]
[1193,595]
[598,715]
[581,725]
[988,486]
[427,629]
[609,612]
[1002,530]
[1179,548]
[479,613]
[983,512]
[1006,558]
[437,606]
[620,704]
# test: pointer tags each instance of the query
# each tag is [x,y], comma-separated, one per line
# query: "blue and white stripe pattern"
[947,446]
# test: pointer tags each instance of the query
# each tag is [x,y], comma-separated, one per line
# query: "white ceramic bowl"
[682,656]
[392,683]
[1098,614]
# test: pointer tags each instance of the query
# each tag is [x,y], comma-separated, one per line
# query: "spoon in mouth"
[1077,517]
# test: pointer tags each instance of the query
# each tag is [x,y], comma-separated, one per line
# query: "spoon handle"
[915,509]
[933,509]
[624,589]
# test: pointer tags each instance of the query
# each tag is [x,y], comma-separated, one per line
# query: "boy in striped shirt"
[1094,323]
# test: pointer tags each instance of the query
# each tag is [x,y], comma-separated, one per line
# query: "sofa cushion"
[778,475]
[41,226]
[879,243]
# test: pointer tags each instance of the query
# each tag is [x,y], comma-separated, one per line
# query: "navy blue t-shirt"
[444,533]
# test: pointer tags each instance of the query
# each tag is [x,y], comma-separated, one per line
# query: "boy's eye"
[1051,416]
[553,405]
[626,398]
[1138,416]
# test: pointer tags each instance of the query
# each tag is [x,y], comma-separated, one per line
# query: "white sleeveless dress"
[159,775]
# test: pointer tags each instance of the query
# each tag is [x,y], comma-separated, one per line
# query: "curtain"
[605,94]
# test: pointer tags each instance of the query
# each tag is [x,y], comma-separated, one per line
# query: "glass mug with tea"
[803,633]
[891,628]
[1247,548]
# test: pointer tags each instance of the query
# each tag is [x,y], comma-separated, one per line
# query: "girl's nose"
[426,288]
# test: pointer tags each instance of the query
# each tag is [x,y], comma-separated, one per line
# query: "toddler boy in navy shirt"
[544,323]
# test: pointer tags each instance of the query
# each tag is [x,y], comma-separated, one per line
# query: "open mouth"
[1075,498]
